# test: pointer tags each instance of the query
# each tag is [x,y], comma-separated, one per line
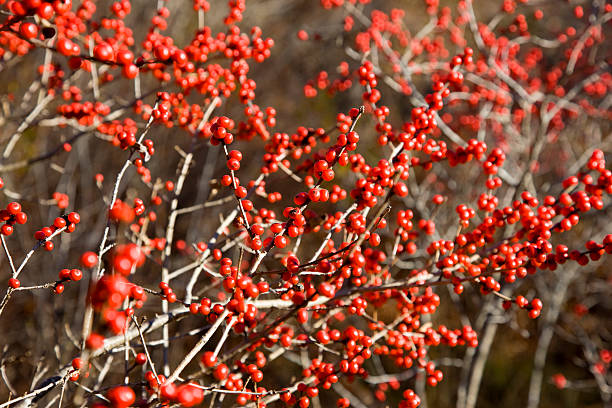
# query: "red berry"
[169,391]
[233,164]
[209,359]
[62,6]
[95,341]
[280,241]
[141,358]
[76,275]
[89,259]
[104,52]
[130,71]
[13,208]
[59,222]
[21,217]
[77,363]
[121,397]
[64,274]
[6,230]
[257,376]
[189,395]
[28,30]
[326,289]
[162,53]
[45,11]
[221,372]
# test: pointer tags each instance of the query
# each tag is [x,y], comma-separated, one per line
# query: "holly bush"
[305,203]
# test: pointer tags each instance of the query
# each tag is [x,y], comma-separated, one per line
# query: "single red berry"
[130,71]
[189,395]
[28,30]
[169,391]
[257,376]
[6,229]
[59,222]
[77,363]
[76,274]
[233,164]
[121,397]
[74,217]
[209,359]
[62,6]
[89,259]
[162,53]
[21,218]
[64,274]
[95,341]
[221,372]
[104,52]
[141,358]
[13,208]
[45,11]
[280,241]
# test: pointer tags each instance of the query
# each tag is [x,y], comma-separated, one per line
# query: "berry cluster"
[65,223]
[10,216]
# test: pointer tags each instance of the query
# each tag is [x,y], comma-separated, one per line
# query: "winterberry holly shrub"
[331,203]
